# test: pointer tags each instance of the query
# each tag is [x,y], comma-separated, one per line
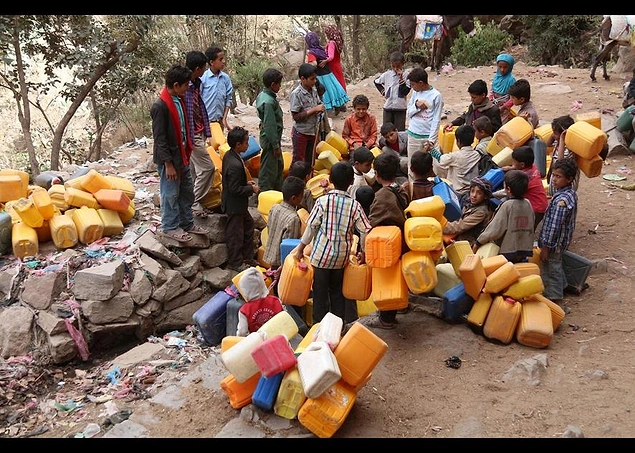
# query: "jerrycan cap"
[303,267]
[510,301]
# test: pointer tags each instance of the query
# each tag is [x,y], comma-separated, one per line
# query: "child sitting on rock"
[259,307]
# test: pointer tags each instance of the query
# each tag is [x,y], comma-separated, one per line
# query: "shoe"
[200,213]
[375,322]
[178,235]
[405,311]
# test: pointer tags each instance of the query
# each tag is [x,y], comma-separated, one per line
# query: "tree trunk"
[355,34]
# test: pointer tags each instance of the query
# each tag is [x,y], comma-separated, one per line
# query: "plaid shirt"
[198,122]
[559,221]
[332,220]
[283,223]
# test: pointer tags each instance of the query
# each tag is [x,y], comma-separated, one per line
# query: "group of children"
[370,191]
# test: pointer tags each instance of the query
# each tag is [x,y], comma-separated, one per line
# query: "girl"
[334,51]
[503,79]
[334,96]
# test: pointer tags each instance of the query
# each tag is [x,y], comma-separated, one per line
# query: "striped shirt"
[283,223]
[332,221]
[559,221]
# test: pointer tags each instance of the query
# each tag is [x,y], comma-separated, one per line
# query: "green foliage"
[568,40]
[247,78]
[482,48]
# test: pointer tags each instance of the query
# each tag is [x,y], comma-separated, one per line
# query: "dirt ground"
[587,382]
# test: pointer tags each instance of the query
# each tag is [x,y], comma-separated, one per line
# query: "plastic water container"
[78,198]
[501,278]
[423,234]
[290,396]
[46,179]
[24,240]
[28,212]
[296,280]
[324,415]
[266,391]
[557,313]
[419,271]
[504,156]
[514,133]
[383,246]
[218,137]
[43,203]
[238,359]
[273,356]
[253,164]
[286,245]
[493,147]
[89,225]
[281,323]
[450,199]
[357,281]
[56,192]
[446,279]
[307,339]
[358,353]
[502,319]
[287,158]
[6,227]
[127,215]
[24,178]
[323,146]
[253,149]
[525,287]
[266,200]
[239,393]
[330,330]
[118,182]
[390,290]
[210,318]
[433,206]
[585,140]
[63,231]
[491,263]
[534,327]
[456,303]
[318,369]
[328,159]
[590,167]
[496,177]
[228,341]
[594,118]
[112,222]
[456,252]
[487,250]
[11,188]
[540,154]
[478,313]
[525,269]
[115,199]
[94,181]
[472,275]
[336,141]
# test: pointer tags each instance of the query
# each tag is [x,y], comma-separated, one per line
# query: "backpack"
[485,163]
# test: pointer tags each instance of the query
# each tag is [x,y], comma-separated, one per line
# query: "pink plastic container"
[274,355]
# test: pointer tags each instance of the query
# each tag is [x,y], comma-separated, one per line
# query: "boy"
[475,214]
[424,113]
[306,108]
[171,154]
[201,164]
[396,142]
[364,175]
[271,171]
[303,170]
[483,133]
[523,159]
[461,166]
[520,94]
[388,209]
[511,226]
[259,306]
[239,229]
[557,228]
[360,127]
[216,87]
[330,226]
[421,169]
[559,128]
[283,221]
[393,85]
[481,105]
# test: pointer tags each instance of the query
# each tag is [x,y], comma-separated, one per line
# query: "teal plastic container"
[5,232]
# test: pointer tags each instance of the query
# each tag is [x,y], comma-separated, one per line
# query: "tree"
[88,46]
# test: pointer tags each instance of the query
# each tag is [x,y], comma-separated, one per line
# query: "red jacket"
[259,311]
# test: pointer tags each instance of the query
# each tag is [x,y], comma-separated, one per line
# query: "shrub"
[482,48]
[247,78]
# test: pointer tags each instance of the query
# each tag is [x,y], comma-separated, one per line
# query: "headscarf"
[333,33]
[313,43]
[483,184]
[501,83]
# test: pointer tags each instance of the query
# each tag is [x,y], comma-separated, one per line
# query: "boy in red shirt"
[360,127]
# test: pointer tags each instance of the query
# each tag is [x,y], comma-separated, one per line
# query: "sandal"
[178,235]
[198,230]
[200,213]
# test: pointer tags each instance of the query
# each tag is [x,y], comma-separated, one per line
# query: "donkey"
[407,25]
[610,37]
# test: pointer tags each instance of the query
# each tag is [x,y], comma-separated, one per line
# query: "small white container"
[330,330]
[238,359]
[318,368]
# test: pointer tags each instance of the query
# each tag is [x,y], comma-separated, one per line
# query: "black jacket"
[236,191]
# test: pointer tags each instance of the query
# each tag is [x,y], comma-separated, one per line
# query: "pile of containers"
[83,209]
[317,383]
